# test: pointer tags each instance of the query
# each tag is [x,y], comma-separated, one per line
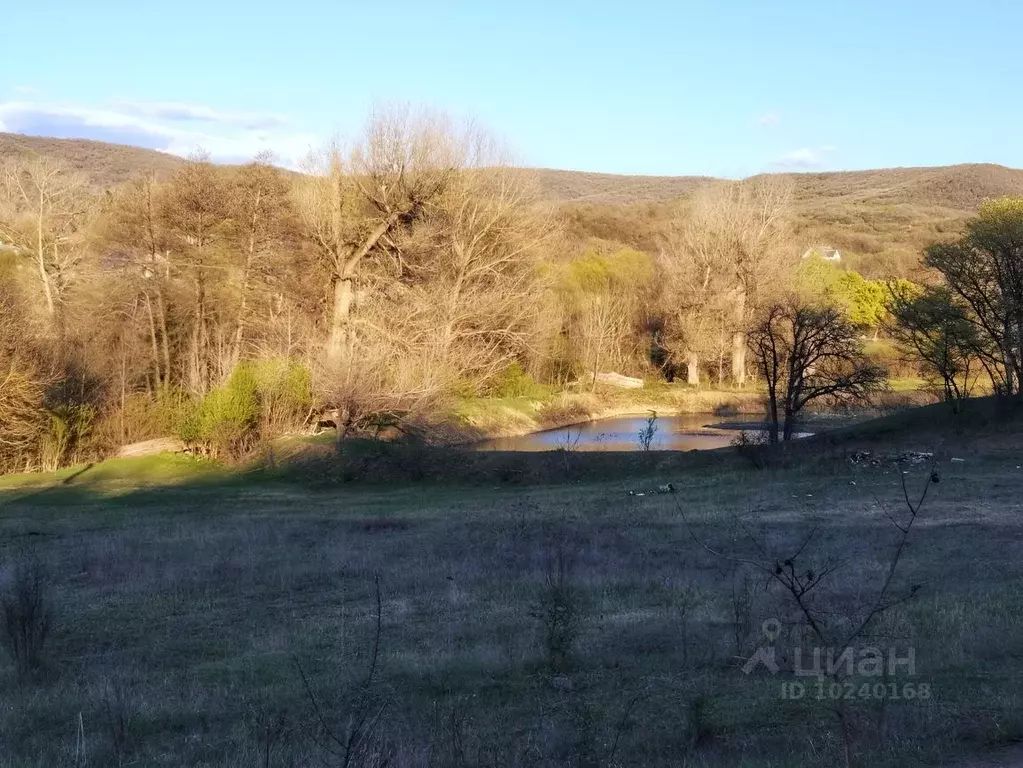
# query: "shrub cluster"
[259,401]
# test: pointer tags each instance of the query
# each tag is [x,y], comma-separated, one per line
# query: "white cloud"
[178,111]
[769,119]
[178,129]
[805,158]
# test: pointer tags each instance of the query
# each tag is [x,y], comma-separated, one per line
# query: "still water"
[685,432]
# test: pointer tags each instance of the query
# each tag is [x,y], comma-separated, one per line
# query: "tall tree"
[725,248]
[135,228]
[933,325]
[477,280]
[696,283]
[806,353]
[984,269]
[351,204]
[196,214]
[261,212]
[45,213]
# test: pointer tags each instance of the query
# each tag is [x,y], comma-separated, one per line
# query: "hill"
[956,187]
[580,186]
[880,219]
[106,164]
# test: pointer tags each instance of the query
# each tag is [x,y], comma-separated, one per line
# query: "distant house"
[828,254]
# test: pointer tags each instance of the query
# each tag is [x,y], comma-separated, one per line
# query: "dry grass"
[183,612]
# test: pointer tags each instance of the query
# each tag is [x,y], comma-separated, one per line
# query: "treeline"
[230,305]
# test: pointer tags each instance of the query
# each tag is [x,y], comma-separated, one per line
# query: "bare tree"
[23,382]
[696,281]
[757,216]
[807,353]
[135,228]
[45,213]
[376,383]
[196,211]
[261,210]
[350,204]
[605,321]
[722,255]
[477,283]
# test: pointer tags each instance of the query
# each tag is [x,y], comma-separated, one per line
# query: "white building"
[828,254]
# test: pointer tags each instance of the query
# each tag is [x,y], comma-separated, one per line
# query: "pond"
[683,432]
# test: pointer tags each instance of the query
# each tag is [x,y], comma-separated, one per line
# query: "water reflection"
[684,432]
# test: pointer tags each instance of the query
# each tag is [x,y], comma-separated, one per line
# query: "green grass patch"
[114,474]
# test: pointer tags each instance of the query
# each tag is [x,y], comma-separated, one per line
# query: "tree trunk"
[161,312]
[200,339]
[1009,361]
[250,257]
[344,289]
[41,260]
[340,332]
[739,341]
[739,358]
[152,338]
[1018,353]
[772,404]
[693,373]
[790,419]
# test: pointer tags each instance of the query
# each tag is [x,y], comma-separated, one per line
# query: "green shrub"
[66,441]
[515,382]
[285,393]
[225,421]
[260,400]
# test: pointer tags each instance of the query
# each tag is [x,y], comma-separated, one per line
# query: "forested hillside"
[143,295]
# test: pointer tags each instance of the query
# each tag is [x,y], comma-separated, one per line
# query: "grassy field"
[560,614]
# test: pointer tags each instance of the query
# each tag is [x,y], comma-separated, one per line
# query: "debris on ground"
[666,488]
[911,458]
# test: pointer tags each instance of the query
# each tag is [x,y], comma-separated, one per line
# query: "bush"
[22,414]
[513,381]
[285,393]
[26,618]
[142,417]
[67,439]
[224,422]
[559,611]
[752,446]
[73,400]
[259,401]
[564,410]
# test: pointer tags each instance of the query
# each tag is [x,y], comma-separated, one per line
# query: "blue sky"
[721,88]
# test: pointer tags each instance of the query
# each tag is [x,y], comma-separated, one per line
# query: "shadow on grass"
[369,464]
